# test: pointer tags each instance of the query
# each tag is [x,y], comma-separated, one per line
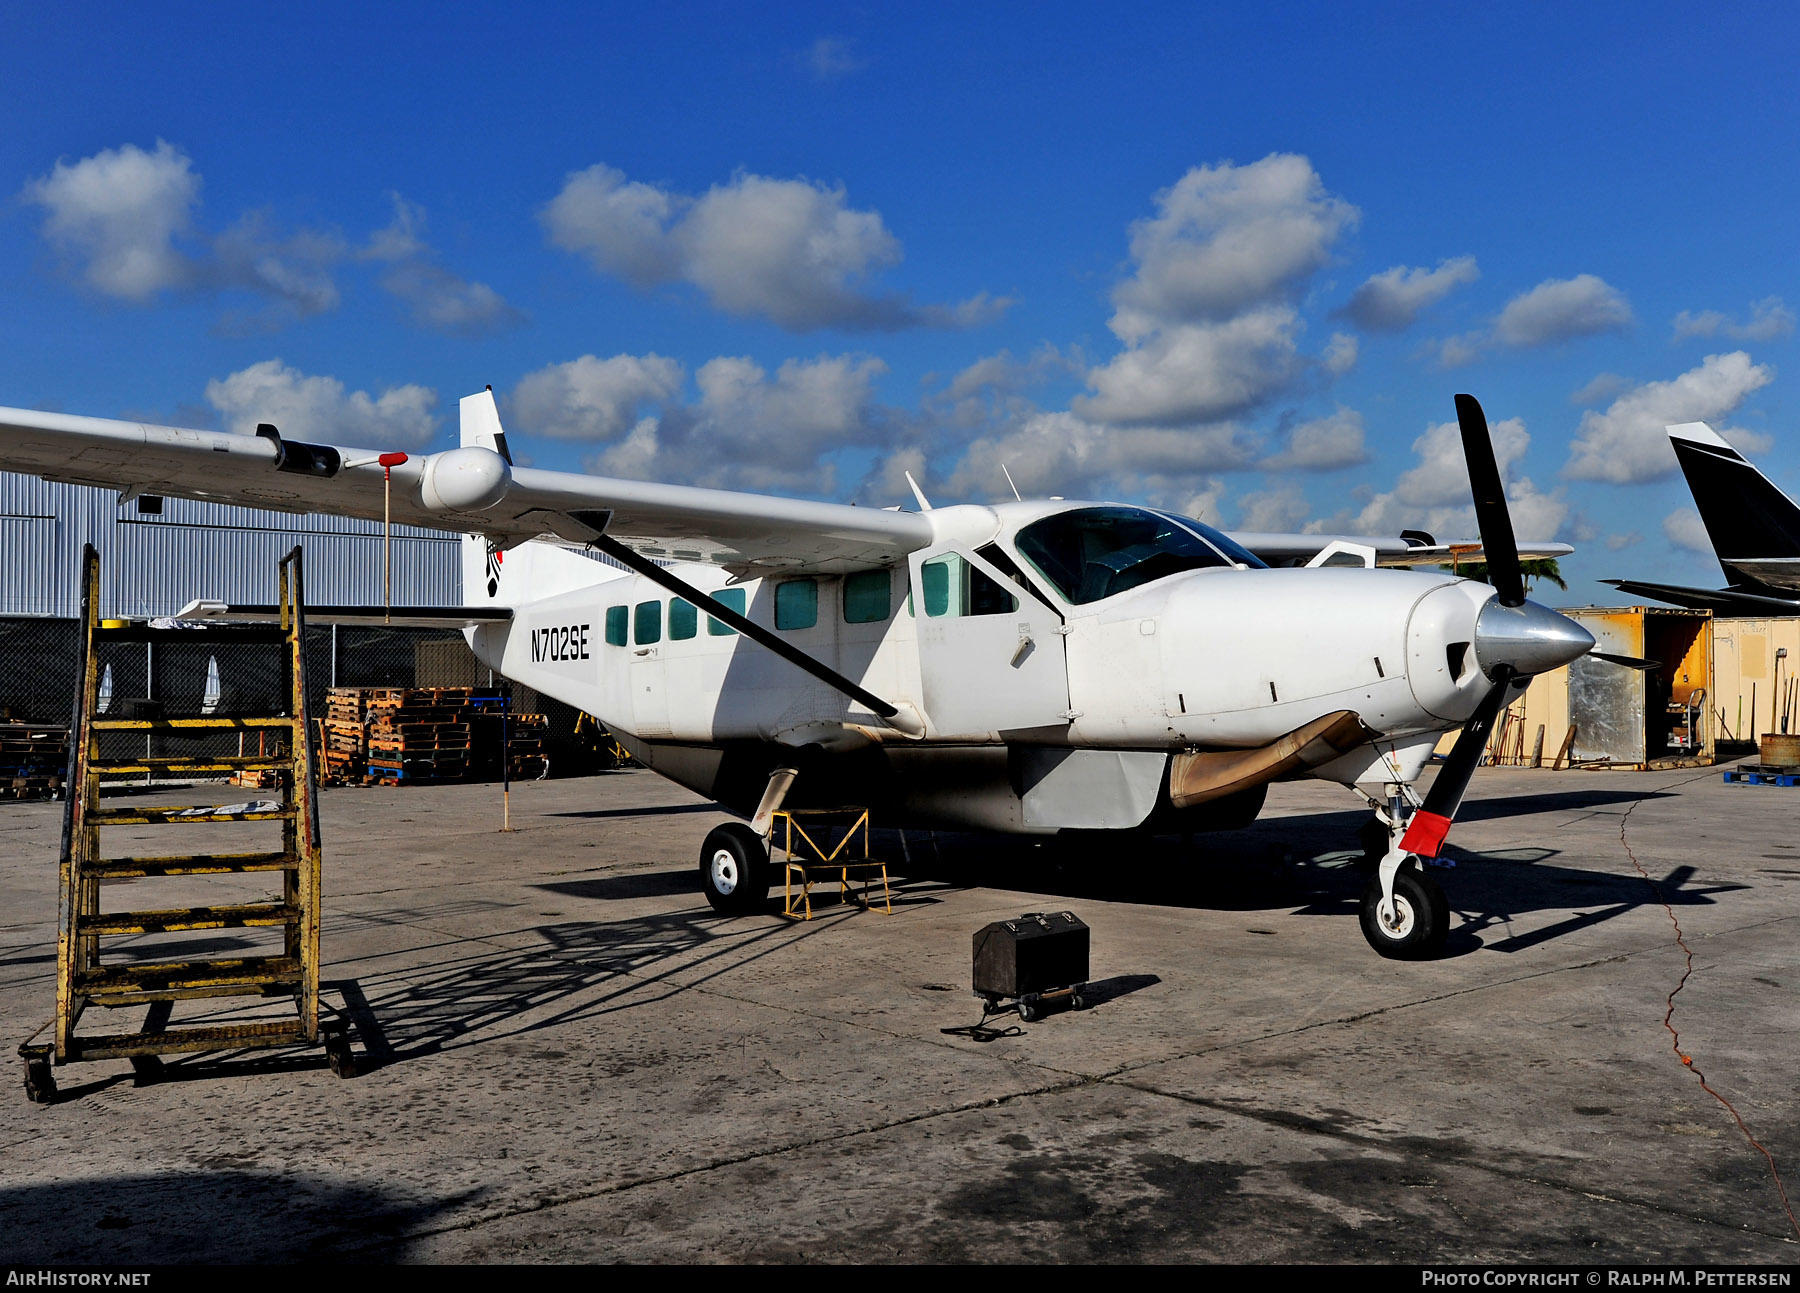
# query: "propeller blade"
[1491,516]
[1629,661]
[1425,833]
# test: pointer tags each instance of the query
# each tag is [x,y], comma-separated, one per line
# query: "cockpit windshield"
[1093,552]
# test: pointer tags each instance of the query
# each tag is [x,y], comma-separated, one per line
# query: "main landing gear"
[735,873]
[734,870]
[1404,913]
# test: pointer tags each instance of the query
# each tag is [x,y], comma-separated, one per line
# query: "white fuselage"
[1217,658]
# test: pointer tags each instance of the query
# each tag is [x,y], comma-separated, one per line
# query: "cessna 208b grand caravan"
[1035,667]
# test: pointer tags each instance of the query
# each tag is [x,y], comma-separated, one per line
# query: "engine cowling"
[470,479]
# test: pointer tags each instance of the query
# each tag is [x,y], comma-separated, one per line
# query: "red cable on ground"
[1675,1035]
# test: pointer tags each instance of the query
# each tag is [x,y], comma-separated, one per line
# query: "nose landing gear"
[1404,913]
[1412,924]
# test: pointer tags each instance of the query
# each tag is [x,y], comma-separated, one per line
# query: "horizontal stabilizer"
[1721,601]
[405,617]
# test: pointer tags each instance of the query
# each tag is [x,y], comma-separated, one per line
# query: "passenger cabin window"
[618,624]
[646,625]
[867,595]
[1094,552]
[684,620]
[733,599]
[952,585]
[796,604]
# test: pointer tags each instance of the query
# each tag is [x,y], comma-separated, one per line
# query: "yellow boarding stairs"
[809,857]
[84,977]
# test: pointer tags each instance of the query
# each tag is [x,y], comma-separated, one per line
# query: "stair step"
[195,763]
[190,864]
[188,724]
[248,915]
[183,976]
[179,815]
[213,1037]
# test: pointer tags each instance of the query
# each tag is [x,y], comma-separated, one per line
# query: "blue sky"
[1234,259]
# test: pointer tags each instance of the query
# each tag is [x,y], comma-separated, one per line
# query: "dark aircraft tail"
[1754,527]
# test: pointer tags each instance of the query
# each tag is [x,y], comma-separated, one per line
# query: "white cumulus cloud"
[1391,300]
[1225,238]
[1323,444]
[1275,511]
[792,251]
[1769,318]
[437,299]
[1627,443]
[125,221]
[1560,309]
[318,408]
[1433,495]
[1685,529]
[594,399]
[1064,453]
[118,213]
[1200,372]
[1207,316]
[746,429]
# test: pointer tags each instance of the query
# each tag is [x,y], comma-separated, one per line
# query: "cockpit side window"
[1095,552]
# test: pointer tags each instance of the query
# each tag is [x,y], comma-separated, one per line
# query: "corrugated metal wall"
[154,564]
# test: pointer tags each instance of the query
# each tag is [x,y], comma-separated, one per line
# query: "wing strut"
[755,632]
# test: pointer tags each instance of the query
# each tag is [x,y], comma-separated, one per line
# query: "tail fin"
[529,572]
[481,424]
[1752,524]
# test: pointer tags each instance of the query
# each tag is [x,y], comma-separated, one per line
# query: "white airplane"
[1027,667]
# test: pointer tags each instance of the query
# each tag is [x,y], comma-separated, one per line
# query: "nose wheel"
[1412,927]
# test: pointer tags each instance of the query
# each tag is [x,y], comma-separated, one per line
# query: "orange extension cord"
[1675,1035]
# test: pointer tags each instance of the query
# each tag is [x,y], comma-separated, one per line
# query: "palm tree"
[1543,568]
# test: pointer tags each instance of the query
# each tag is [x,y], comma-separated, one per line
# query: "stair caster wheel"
[40,1079]
[339,1055]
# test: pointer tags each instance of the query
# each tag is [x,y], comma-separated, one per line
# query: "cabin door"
[991,654]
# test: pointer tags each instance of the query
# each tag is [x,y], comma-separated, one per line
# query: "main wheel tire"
[1421,917]
[734,870]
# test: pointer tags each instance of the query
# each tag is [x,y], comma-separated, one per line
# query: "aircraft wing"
[1413,550]
[1721,601]
[405,617]
[473,490]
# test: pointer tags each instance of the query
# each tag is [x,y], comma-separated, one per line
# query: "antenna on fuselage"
[924,503]
[1009,481]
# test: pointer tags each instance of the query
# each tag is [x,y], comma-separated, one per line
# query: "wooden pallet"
[1762,774]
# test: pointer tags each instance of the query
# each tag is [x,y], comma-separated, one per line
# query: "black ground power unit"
[1037,959]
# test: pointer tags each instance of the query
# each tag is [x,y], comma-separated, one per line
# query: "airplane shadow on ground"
[1310,865]
[477,989]
[231,1211]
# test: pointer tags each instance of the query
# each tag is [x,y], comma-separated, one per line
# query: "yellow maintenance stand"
[85,978]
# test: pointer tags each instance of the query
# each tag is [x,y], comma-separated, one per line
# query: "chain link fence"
[214,677]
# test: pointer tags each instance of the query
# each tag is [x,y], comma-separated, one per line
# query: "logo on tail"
[494,559]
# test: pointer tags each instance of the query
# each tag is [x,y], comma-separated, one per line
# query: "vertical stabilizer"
[526,572]
[1754,527]
[481,424]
